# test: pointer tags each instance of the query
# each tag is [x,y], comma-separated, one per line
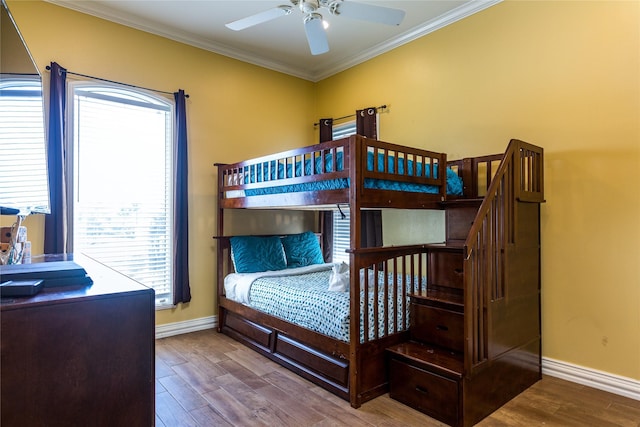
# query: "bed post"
[219,252]
[356,146]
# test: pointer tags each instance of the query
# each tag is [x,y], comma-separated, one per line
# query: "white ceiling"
[280,44]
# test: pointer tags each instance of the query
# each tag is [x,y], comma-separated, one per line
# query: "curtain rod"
[112,81]
[382,107]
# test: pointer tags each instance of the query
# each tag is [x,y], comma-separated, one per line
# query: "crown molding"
[94,9]
[415,33]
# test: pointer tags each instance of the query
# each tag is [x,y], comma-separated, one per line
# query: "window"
[23,167]
[344,130]
[341,220]
[341,234]
[121,142]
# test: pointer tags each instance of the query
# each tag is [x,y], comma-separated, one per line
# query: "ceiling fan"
[312,20]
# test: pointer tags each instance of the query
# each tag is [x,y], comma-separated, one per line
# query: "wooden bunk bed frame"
[485,229]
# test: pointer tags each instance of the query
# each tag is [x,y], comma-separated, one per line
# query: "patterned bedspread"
[304,299]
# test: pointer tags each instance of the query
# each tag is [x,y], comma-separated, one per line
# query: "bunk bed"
[382,283]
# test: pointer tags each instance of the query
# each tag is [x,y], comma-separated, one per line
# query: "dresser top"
[106,283]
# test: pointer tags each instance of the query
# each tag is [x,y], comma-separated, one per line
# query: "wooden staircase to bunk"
[475,334]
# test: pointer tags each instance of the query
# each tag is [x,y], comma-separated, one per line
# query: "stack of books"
[29,279]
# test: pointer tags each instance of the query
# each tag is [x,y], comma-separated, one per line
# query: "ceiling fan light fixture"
[333,6]
[309,6]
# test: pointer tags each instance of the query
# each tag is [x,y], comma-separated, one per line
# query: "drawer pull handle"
[422,390]
[458,270]
[442,327]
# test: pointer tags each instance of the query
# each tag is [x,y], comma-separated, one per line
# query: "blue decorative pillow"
[302,249]
[251,254]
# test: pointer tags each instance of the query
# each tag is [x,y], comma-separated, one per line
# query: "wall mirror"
[23,165]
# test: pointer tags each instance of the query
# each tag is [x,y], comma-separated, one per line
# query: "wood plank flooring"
[207,379]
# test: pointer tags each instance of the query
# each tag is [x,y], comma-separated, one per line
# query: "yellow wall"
[14,58]
[563,75]
[224,94]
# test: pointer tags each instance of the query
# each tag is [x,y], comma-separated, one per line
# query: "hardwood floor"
[207,379]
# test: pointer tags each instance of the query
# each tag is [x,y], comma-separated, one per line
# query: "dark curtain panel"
[366,122]
[181,287]
[326,130]
[371,229]
[326,221]
[55,222]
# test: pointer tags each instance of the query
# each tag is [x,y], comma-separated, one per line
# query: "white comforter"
[238,285]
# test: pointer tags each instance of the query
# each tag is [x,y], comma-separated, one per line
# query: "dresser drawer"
[425,391]
[440,327]
[446,269]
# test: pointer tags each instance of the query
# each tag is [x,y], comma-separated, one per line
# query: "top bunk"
[358,171]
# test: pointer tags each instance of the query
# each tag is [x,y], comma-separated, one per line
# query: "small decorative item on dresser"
[12,239]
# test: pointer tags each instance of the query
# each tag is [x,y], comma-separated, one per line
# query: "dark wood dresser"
[79,355]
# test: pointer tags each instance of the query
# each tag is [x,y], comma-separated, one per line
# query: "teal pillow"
[251,254]
[302,249]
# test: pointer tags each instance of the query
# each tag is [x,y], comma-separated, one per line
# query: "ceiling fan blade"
[316,36]
[259,18]
[368,12]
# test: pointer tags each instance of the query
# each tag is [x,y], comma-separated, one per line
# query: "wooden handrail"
[519,178]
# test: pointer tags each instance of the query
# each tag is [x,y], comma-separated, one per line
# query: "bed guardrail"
[354,158]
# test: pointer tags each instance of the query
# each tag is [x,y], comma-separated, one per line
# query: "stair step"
[447,246]
[431,358]
[441,297]
[462,202]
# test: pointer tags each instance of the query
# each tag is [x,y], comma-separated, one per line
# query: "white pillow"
[339,281]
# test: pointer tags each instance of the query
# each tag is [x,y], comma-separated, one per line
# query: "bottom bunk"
[352,366]
[323,362]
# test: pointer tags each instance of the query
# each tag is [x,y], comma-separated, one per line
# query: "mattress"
[303,298]
[272,171]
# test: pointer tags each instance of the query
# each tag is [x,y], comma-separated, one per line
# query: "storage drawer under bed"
[309,362]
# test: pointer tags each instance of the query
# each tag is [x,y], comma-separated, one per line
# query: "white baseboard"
[592,378]
[177,328]
[578,374]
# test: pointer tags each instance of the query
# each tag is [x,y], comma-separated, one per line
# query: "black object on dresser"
[79,355]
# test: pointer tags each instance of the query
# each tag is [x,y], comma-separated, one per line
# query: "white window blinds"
[344,130]
[341,234]
[341,221]
[122,190]
[23,167]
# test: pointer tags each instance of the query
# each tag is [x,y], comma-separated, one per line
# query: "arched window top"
[123,95]
[28,83]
